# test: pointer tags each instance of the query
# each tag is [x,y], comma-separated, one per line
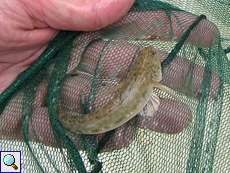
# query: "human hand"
[165,121]
[27,27]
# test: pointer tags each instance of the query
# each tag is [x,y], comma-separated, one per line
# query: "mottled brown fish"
[131,95]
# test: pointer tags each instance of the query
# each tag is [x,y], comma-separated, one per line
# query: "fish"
[130,97]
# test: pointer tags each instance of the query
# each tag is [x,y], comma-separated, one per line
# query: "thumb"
[83,15]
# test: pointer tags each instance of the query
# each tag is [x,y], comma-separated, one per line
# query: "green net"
[78,72]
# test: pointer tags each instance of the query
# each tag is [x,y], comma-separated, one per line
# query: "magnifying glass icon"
[9,160]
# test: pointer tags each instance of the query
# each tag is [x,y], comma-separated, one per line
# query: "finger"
[114,60]
[176,76]
[40,129]
[158,25]
[11,125]
[203,35]
[80,44]
[171,117]
[10,119]
[78,14]
[122,137]
[78,89]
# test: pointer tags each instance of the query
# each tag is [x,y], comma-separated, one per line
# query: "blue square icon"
[10,162]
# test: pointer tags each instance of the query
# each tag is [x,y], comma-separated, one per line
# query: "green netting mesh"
[77,73]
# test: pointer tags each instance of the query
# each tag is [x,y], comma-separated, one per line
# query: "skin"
[131,95]
[27,27]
